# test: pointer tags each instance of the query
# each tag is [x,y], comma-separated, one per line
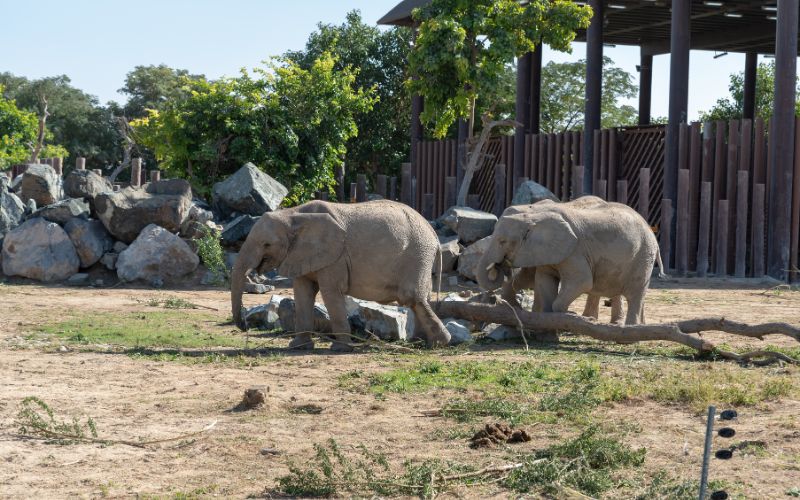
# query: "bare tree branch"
[42,130]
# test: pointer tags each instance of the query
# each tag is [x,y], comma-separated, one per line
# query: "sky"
[96,42]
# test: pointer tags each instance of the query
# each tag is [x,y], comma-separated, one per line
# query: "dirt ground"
[139,398]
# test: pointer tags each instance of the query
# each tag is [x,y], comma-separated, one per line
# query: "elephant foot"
[302,342]
[339,346]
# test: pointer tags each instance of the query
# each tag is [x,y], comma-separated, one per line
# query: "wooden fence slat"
[601,189]
[353,192]
[361,184]
[474,201]
[499,189]
[566,166]
[612,164]
[759,153]
[682,226]
[549,169]
[427,206]
[393,188]
[708,152]
[644,193]
[380,185]
[795,214]
[541,162]
[450,191]
[340,182]
[558,159]
[622,191]
[722,241]
[603,172]
[695,156]
[758,236]
[741,224]
[719,182]
[730,189]
[577,181]
[664,231]
[596,158]
[704,230]
[405,184]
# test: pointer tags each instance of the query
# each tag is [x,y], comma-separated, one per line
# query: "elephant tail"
[439,274]
[661,274]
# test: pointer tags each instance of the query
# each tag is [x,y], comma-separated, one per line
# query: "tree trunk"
[42,128]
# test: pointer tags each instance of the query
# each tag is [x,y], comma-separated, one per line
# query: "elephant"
[379,250]
[587,245]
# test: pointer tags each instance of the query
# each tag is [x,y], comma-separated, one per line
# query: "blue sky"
[97,42]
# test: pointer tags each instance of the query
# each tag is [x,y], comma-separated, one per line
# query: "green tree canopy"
[17,132]
[152,87]
[380,58]
[463,47]
[564,96]
[731,107]
[292,122]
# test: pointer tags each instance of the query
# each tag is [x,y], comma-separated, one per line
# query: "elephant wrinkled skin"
[587,245]
[380,250]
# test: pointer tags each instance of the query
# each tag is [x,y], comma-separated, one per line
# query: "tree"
[564,96]
[730,108]
[463,47]
[380,58]
[17,133]
[293,122]
[152,87]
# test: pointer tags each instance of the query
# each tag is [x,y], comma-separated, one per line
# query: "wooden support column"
[535,91]
[749,98]
[645,87]
[781,140]
[678,94]
[522,113]
[136,172]
[594,83]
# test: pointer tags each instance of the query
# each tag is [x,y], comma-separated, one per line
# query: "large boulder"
[164,203]
[86,184]
[64,210]
[155,256]
[449,249]
[238,229]
[265,316]
[12,211]
[41,184]
[470,256]
[90,238]
[249,191]
[322,322]
[386,322]
[39,250]
[530,192]
[469,224]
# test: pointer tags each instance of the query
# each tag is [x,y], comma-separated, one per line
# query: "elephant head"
[523,240]
[296,243]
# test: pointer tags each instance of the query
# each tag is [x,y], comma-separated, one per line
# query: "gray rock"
[459,331]
[78,279]
[470,257]
[12,211]
[386,322]
[530,192]
[249,191]
[39,250]
[41,184]
[109,260]
[500,333]
[450,250]
[469,224]
[257,288]
[90,238]
[156,255]
[30,207]
[120,247]
[62,211]
[86,185]
[322,322]
[265,316]
[230,259]
[125,213]
[237,229]
[15,184]
[196,218]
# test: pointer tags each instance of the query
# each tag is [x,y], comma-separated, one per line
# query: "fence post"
[361,193]
[380,187]
[427,206]
[722,239]
[704,230]
[58,165]
[665,233]
[600,188]
[353,192]
[451,190]
[155,175]
[741,223]
[622,192]
[499,189]
[340,183]
[393,188]
[80,163]
[474,201]
[577,181]
[136,172]
[682,226]
[759,192]
[644,193]
[405,184]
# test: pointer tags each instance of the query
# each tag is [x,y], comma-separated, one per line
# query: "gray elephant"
[379,250]
[585,246]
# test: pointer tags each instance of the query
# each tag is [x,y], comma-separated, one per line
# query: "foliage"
[380,58]
[170,302]
[35,417]
[463,47]
[209,249]
[731,107]
[564,96]
[153,87]
[293,122]
[17,132]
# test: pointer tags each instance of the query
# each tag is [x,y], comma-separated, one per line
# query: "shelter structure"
[674,27]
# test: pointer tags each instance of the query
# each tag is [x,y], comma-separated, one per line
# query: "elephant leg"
[616,309]
[567,295]
[508,293]
[305,290]
[592,308]
[545,291]
[340,325]
[635,309]
[435,332]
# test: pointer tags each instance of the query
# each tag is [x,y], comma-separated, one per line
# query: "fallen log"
[679,332]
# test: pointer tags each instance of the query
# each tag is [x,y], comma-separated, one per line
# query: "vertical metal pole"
[707,452]
[594,84]
[522,112]
[535,90]
[645,87]
[749,98]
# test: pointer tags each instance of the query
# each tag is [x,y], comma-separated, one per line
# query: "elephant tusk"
[492,274]
[490,266]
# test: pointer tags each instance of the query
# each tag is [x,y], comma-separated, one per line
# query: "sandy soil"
[142,399]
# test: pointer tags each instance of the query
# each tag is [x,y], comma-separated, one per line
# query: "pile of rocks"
[53,227]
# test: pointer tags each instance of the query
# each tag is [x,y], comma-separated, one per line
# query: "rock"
[90,238]
[196,218]
[30,207]
[156,255]
[41,184]
[249,191]
[63,211]
[15,184]
[450,250]
[237,229]
[230,259]
[109,260]
[39,250]
[470,257]
[531,192]
[469,224]
[86,185]
[386,322]
[265,316]
[322,322]
[120,247]
[452,280]
[459,331]
[500,333]
[164,203]
[78,279]
[12,211]
[257,288]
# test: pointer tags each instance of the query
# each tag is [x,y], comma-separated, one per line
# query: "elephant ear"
[549,240]
[315,242]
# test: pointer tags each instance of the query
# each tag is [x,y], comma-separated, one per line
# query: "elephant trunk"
[238,278]
[490,272]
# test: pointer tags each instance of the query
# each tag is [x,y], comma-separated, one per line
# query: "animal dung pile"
[254,397]
[493,434]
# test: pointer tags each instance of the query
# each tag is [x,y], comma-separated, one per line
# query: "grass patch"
[664,486]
